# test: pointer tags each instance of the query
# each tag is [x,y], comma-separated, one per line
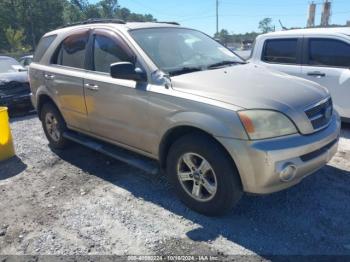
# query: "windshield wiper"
[184,70]
[224,63]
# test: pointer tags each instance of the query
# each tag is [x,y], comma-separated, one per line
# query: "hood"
[21,77]
[14,84]
[252,86]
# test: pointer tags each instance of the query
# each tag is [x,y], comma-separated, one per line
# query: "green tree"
[223,36]
[92,11]
[109,8]
[126,15]
[123,14]
[81,4]
[16,39]
[36,17]
[266,26]
[78,10]
[72,12]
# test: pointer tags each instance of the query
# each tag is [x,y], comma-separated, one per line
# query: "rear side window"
[72,50]
[329,52]
[282,51]
[43,45]
[108,50]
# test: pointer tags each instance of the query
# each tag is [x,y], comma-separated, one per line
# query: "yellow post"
[6,145]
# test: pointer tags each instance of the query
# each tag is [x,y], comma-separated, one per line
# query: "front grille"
[14,88]
[318,152]
[321,114]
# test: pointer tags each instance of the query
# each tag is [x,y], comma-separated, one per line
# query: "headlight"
[262,124]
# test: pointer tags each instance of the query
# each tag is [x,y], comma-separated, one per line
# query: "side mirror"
[127,71]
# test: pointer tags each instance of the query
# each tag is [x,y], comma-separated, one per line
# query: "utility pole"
[311,14]
[326,13]
[217,17]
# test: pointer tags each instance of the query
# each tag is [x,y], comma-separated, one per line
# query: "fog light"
[288,172]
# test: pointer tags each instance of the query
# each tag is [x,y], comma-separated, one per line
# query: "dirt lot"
[81,202]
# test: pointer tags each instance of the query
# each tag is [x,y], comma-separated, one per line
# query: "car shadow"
[310,218]
[15,113]
[345,131]
[11,167]
[23,117]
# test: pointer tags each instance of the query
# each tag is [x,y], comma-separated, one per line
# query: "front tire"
[54,126]
[203,175]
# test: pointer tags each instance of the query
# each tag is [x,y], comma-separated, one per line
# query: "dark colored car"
[14,84]
[25,61]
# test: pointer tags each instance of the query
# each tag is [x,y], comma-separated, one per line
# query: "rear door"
[117,109]
[282,54]
[327,62]
[65,78]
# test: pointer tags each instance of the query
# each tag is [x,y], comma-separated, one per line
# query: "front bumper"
[260,163]
[17,101]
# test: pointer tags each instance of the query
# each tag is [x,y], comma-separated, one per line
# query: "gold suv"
[161,95]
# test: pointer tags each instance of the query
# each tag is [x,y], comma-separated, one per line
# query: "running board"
[141,162]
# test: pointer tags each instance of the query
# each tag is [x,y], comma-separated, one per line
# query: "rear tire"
[54,126]
[203,175]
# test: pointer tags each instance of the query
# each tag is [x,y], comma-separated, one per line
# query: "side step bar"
[141,162]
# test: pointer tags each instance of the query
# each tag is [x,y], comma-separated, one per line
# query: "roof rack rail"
[170,23]
[95,21]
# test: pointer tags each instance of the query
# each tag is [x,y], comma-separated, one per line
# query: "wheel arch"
[43,99]
[172,135]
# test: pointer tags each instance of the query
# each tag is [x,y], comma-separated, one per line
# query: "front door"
[283,54]
[328,63]
[117,109]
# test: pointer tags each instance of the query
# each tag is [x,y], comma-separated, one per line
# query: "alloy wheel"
[197,177]
[51,124]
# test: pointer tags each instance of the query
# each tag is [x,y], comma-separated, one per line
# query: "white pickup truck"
[321,55]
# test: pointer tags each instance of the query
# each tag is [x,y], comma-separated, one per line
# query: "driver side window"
[107,51]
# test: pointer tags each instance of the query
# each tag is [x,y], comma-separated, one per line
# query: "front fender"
[227,124]
[44,91]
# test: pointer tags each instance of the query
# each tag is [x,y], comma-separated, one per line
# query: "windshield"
[8,65]
[177,50]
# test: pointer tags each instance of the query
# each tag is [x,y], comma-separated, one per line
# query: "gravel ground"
[79,202]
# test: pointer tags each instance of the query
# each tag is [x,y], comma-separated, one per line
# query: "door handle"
[316,74]
[92,87]
[49,77]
